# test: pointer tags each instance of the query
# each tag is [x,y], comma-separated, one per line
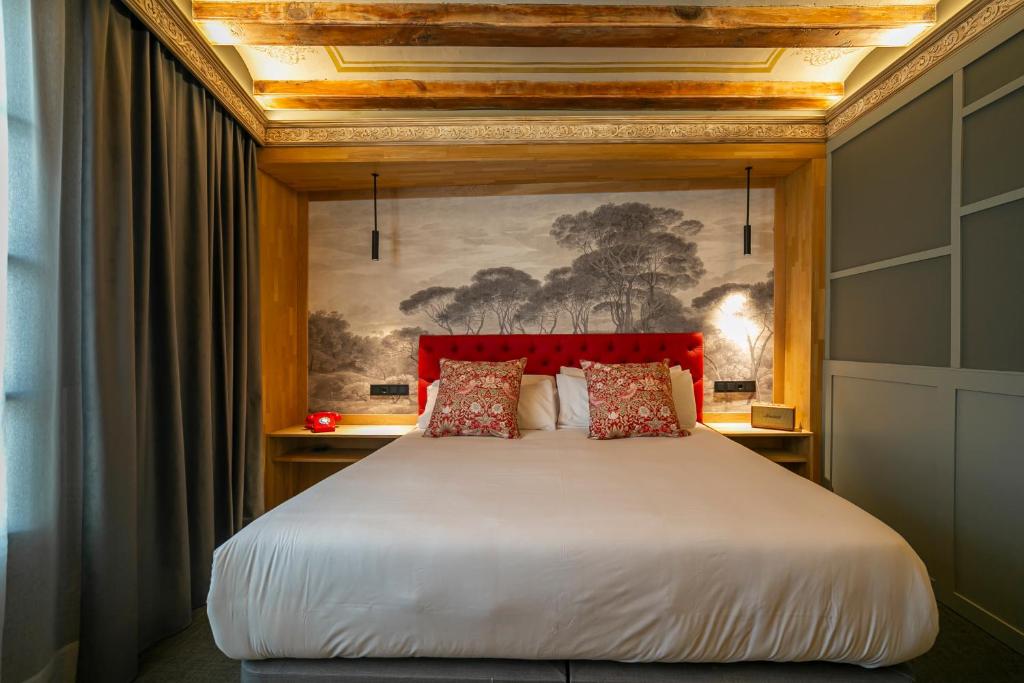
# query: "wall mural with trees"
[529,264]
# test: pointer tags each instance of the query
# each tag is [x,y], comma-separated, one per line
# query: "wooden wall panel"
[779,334]
[283,280]
[800,294]
[796,171]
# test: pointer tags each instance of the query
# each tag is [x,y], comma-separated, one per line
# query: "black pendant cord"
[746,226]
[375,235]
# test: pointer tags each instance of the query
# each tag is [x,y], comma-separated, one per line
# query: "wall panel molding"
[988,475]
[889,263]
[890,458]
[991,202]
[993,96]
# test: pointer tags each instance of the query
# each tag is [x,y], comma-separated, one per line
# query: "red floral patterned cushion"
[630,399]
[477,399]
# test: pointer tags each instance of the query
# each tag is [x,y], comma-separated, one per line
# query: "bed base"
[522,671]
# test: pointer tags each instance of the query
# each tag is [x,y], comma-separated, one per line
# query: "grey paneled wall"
[924,370]
[893,315]
[884,450]
[989,476]
[890,186]
[994,69]
[993,138]
[992,313]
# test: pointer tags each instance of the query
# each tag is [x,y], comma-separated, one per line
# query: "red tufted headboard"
[545,353]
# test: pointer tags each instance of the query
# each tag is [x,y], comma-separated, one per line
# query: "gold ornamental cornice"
[967,25]
[554,130]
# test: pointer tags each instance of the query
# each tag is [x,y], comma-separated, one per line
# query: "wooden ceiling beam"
[534,25]
[547,95]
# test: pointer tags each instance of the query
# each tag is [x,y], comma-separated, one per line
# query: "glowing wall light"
[734,325]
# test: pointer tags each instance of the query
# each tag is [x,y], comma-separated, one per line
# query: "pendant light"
[375,235]
[746,226]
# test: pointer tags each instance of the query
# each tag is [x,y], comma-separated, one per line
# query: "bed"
[555,548]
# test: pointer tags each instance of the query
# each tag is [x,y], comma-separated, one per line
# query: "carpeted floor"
[963,654]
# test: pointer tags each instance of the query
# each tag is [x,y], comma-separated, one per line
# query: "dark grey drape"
[171,341]
[132,377]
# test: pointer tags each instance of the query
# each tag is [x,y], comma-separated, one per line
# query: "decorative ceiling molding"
[763,65]
[180,36]
[820,56]
[967,25]
[562,129]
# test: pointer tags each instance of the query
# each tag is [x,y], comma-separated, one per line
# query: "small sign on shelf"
[773,416]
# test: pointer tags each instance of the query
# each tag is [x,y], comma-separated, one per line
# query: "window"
[32,116]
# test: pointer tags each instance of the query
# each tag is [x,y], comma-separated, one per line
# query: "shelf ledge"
[345,431]
[744,429]
[320,457]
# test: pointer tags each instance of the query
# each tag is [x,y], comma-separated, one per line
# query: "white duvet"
[558,547]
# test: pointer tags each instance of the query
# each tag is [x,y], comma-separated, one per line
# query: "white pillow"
[573,402]
[537,403]
[423,421]
[682,396]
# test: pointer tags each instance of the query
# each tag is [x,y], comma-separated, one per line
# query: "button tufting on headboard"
[546,353]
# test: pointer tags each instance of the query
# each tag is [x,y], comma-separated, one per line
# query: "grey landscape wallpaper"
[573,263]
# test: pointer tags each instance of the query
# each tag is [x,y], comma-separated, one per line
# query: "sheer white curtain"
[3,330]
[40,617]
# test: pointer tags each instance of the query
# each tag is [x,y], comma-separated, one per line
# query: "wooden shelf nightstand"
[300,458]
[791,450]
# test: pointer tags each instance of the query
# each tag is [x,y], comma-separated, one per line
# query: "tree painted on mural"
[342,364]
[630,266]
[574,293]
[632,258]
[333,347]
[635,253]
[434,303]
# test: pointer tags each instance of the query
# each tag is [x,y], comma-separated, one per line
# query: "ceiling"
[328,61]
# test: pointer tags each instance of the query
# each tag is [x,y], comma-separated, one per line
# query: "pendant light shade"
[375,235]
[746,226]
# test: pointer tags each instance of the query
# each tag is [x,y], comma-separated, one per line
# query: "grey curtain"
[158,441]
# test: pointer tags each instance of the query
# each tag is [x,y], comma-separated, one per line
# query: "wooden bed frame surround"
[292,179]
[545,354]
